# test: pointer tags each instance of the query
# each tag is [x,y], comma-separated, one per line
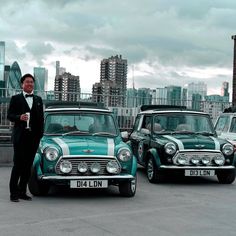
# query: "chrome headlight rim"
[219,160]
[206,160]
[195,160]
[182,160]
[124,154]
[82,167]
[95,167]
[170,148]
[113,167]
[65,169]
[228,149]
[51,153]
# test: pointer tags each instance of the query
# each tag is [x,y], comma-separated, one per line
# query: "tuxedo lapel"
[24,102]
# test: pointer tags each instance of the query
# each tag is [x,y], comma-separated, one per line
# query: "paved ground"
[176,207]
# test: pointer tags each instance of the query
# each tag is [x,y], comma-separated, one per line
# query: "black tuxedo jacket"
[18,106]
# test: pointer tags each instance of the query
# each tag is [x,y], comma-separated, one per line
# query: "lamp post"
[234,73]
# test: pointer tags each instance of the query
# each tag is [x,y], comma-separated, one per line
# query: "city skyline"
[165,42]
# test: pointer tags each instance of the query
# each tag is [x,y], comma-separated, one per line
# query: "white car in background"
[225,126]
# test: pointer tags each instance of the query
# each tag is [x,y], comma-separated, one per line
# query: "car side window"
[222,124]
[233,125]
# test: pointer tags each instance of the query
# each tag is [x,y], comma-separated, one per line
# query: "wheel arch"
[153,152]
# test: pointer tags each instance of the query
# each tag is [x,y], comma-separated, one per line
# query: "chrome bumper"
[72,177]
[173,167]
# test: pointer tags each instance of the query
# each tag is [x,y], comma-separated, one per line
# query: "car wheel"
[36,187]
[226,177]
[152,172]
[128,188]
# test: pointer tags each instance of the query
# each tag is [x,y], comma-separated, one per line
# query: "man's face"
[28,85]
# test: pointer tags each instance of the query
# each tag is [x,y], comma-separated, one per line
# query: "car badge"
[199,146]
[88,150]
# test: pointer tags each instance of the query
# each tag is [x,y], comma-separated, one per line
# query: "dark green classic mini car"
[82,147]
[169,140]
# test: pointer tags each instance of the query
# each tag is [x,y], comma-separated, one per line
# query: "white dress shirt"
[29,100]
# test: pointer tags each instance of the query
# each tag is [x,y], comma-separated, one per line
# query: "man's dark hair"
[25,76]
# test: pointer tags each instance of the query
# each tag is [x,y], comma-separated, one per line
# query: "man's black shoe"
[14,198]
[24,196]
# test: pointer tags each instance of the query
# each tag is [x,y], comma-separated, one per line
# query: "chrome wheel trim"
[150,169]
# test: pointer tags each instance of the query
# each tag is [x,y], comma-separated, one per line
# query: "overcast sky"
[166,42]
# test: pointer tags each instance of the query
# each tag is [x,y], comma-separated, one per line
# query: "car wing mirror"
[124,135]
[218,133]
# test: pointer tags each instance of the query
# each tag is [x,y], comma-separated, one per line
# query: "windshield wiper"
[75,132]
[205,133]
[104,133]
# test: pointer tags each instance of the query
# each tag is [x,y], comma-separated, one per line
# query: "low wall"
[6,154]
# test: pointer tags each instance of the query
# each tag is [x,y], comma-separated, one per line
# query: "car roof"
[75,109]
[173,111]
[62,106]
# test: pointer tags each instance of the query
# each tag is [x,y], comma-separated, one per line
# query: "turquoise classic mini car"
[171,140]
[82,147]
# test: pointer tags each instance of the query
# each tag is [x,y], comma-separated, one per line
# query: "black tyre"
[128,188]
[226,177]
[36,187]
[152,171]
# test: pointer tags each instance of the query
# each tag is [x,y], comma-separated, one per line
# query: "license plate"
[88,183]
[199,172]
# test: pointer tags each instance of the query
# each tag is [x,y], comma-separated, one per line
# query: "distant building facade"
[41,77]
[113,82]
[13,81]
[197,88]
[67,87]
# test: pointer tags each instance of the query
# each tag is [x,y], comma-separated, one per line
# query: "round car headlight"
[51,153]
[195,160]
[124,154]
[228,149]
[182,160]
[82,167]
[206,160]
[95,167]
[219,160]
[113,167]
[65,167]
[170,148]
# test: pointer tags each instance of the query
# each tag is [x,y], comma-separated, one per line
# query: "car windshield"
[79,124]
[183,123]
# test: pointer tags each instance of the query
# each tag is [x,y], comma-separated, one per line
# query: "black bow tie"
[29,95]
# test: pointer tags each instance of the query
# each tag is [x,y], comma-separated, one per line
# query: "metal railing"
[125,114]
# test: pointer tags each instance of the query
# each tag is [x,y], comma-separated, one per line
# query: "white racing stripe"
[110,147]
[217,143]
[63,145]
[179,143]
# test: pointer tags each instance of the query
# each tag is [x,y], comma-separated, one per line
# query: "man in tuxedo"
[24,107]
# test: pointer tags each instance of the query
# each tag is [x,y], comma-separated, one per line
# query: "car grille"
[89,161]
[189,155]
